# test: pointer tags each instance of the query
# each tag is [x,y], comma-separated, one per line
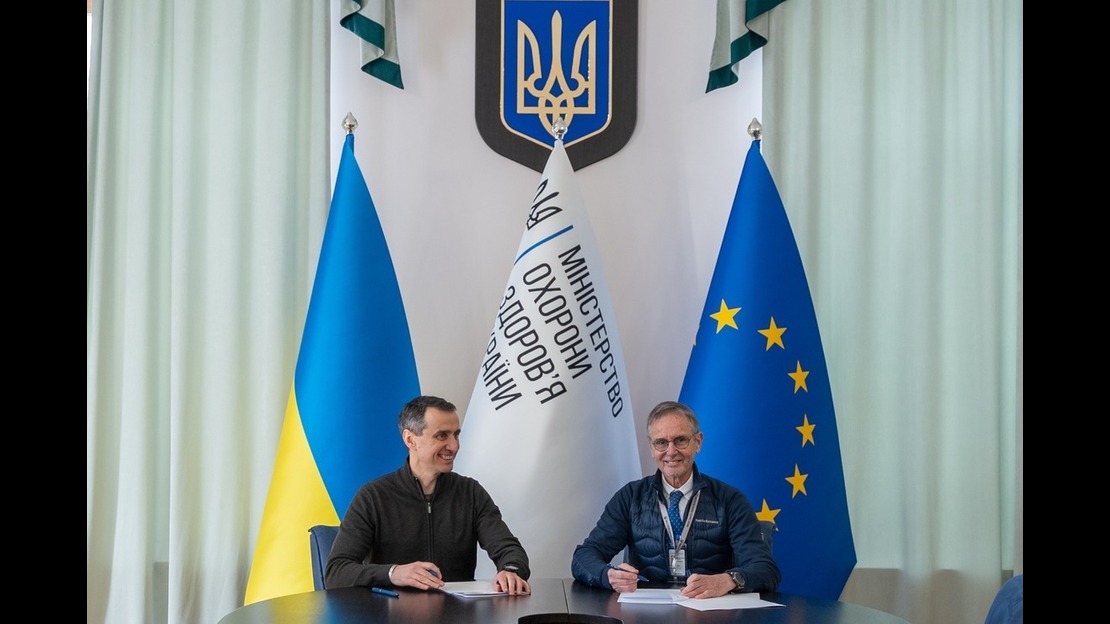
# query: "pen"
[385,592]
[639,577]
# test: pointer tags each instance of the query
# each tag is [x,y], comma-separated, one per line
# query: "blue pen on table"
[639,577]
[385,592]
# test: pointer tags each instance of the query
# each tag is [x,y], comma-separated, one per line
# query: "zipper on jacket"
[431,532]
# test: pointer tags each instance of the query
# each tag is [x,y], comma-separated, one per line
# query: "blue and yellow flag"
[354,371]
[758,383]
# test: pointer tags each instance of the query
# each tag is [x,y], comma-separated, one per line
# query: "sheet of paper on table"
[652,596]
[729,601]
[674,596]
[472,589]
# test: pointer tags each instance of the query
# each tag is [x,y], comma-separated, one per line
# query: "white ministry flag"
[549,430]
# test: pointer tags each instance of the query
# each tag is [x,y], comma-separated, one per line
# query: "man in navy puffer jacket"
[719,545]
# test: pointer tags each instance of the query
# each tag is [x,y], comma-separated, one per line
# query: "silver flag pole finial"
[349,123]
[560,128]
[755,129]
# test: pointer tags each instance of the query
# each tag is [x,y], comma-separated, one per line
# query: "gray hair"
[673,407]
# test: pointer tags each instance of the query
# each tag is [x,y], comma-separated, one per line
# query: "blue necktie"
[675,515]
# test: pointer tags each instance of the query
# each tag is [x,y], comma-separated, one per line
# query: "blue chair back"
[1009,603]
[320,539]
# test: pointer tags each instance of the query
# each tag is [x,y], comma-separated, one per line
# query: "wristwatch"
[738,579]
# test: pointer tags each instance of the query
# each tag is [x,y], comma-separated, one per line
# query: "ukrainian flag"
[354,371]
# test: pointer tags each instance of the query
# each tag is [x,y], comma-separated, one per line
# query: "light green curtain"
[894,130]
[207,189]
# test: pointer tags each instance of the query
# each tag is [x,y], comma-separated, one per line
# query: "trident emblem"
[542,60]
[557,96]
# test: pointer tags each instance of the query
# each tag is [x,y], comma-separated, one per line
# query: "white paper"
[472,589]
[674,596]
[652,596]
[728,601]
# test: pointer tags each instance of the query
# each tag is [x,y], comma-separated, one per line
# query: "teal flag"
[741,30]
[758,383]
[374,23]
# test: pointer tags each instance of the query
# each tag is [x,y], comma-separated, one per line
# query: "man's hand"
[623,579]
[708,585]
[510,583]
[419,574]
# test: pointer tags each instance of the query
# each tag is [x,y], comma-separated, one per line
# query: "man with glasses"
[678,525]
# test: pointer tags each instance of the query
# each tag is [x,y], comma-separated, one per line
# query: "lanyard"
[690,510]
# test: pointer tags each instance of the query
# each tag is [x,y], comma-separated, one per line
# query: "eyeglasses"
[680,443]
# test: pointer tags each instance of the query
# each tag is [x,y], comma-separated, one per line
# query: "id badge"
[678,562]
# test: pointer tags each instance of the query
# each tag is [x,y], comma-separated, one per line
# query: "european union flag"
[758,382]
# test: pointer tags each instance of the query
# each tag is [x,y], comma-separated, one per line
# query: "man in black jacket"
[419,526]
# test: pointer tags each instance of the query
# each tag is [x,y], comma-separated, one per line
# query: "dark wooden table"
[552,600]
[796,610]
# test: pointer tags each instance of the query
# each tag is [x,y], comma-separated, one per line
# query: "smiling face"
[669,431]
[433,451]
